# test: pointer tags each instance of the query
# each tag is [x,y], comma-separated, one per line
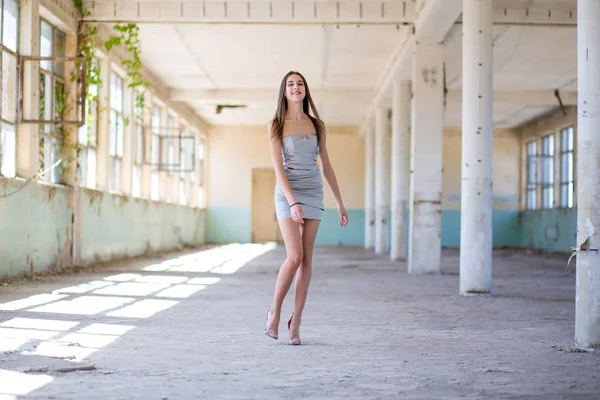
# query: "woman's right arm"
[275,148]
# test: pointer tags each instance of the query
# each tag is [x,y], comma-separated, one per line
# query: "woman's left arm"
[330,178]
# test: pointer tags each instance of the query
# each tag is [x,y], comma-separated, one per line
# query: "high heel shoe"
[295,341]
[272,333]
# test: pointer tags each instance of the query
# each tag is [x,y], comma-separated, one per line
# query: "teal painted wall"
[35,227]
[114,226]
[505,228]
[549,230]
[331,234]
[230,224]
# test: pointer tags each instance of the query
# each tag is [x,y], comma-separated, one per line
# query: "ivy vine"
[126,36]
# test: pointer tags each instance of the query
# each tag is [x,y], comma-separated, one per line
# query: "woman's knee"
[306,261]
[295,258]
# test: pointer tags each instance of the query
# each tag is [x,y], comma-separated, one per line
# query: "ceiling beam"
[253,11]
[523,97]
[535,13]
[435,19]
[244,96]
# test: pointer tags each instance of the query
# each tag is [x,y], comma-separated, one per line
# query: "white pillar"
[587,298]
[400,167]
[382,180]
[424,248]
[477,138]
[369,188]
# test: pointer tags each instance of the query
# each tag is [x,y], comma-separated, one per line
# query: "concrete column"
[477,138]
[400,167]
[382,180]
[370,188]
[28,138]
[587,298]
[424,246]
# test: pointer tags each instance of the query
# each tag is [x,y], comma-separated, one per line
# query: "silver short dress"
[299,153]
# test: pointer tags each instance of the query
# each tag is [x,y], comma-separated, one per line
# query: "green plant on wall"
[127,37]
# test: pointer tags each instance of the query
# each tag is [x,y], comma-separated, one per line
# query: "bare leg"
[309,234]
[293,247]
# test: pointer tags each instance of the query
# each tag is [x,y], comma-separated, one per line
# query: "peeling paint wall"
[35,227]
[505,200]
[115,226]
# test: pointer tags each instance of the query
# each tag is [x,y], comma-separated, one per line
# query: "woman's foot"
[271,330]
[294,329]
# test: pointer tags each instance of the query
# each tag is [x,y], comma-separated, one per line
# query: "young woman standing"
[296,138]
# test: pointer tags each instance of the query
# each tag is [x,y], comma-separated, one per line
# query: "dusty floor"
[190,326]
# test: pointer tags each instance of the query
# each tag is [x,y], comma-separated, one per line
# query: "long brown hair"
[307,106]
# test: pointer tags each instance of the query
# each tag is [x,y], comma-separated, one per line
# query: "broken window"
[9,21]
[567,187]
[52,101]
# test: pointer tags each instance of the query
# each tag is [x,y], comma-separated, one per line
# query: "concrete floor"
[370,331]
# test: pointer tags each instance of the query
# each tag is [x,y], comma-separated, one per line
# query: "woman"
[296,139]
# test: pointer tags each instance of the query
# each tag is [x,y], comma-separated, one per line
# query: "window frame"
[116,132]
[561,154]
[6,136]
[531,202]
[50,141]
[546,158]
[155,131]
[137,131]
[87,176]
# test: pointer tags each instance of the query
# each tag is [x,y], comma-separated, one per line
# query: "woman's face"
[294,88]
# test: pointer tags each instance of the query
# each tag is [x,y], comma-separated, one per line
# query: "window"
[52,99]
[200,169]
[531,175]
[548,171]
[567,186]
[8,87]
[138,143]
[117,130]
[167,156]
[155,153]
[186,164]
[88,138]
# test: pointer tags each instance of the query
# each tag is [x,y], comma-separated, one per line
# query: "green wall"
[37,227]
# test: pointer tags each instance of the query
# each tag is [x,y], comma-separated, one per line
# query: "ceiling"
[203,64]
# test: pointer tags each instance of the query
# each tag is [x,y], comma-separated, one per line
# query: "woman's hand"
[343,216]
[297,213]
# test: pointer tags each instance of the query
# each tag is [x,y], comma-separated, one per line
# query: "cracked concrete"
[370,331]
